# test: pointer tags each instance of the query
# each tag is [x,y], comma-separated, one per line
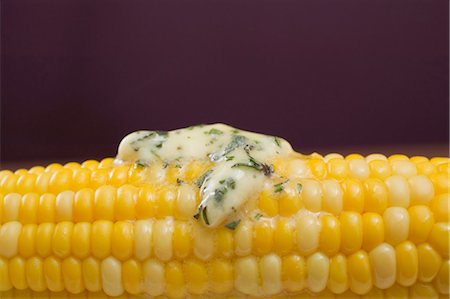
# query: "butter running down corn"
[318,226]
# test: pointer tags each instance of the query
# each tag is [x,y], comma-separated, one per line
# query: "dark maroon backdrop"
[78,75]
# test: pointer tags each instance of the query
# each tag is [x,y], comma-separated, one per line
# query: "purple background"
[79,75]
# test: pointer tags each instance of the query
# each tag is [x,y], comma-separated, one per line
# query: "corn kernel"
[122,240]
[221,273]
[421,223]
[16,269]
[154,281]
[376,196]
[83,207]
[181,239]
[262,237]
[407,263]
[330,235]
[440,207]
[132,277]
[146,202]
[9,238]
[429,262]
[338,279]
[64,206]
[34,272]
[283,238]
[373,230]
[442,279]
[359,273]
[311,195]
[61,240]
[404,168]
[91,274]
[44,237]
[353,198]
[125,202]
[384,265]
[270,269]
[46,209]
[81,239]
[379,169]
[101,238]
[246,275]
[398,191]
[61,180]
[71,273]
[439,238]
[332,197]
[351,232]
[308,230]
[5,283]
[111,275]
[53,274]
[396,225]
[196,276]
[11,206]
[317,267]
[104,199]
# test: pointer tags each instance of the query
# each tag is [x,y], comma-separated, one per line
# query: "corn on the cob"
[366,227]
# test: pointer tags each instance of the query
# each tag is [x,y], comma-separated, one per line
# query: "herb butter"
[242,162]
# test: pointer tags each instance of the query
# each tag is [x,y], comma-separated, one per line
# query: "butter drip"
[242,162]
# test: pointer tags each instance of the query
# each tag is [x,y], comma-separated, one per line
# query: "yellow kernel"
[351,232]
[25,183]
[196,276]
[29,208]
[379,169]
[439,238]
[186,202]
[16,269]
[64,206]
[407,263]
[106,163]
[8,183]
[72,275]
[338,279]
[91,274]
[122,240]
[376,196]
[34,272]
[246,279]
[81,240]
[318,167]
[426,168]
[118,175]
[46,209]
[111,275]
[44,237]
[53,274]
[125,202]
[243,238]
[442,280]
[90,164]
[262,237]
[42,182]
[61,240]
[330,235]
[132,277]
[162,239]
[99,177]
[154,281]
[396,291]
[166,202]
[5,283]
[373,230]
[288,202]
[283,238]
[101,238]
[423,291]
[104,199]
[338,168]
[353,197]
[439,160]
[81,178]
[27,240]
[429,262]
[175,284]
[420,223]
[440,206]
[146,202]
[360,277]
[60,181]
[270,269]
[83,208]
[221,276]
[441,183]
[181,239]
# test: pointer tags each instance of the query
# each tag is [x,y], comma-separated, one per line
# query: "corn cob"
[341,227]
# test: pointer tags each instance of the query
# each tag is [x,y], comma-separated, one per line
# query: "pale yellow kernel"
[332,197]
[270,269]
[396,225]
[404,168]
[311,195]
[243,238]
[358,168]
[91,274]
[186,202]
[308,233]
[317,269]
[9,239]
[384,265]
[143,231]
[422,190]
[398,191]
[154,281]
[162,239]
[11,206]
[246,279]
[111,275]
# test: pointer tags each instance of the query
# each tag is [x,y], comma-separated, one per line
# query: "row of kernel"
[372,195]
[382,268]
[75,178]
[359,167]
[417,291]
[106,203]
[167,238]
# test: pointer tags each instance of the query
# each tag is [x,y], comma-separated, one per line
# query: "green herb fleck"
[299,187]
[258,215]
[205,216]
[252,163]
[178,165]
[179,181]
[277,141]
[140,164]
[229,158]
[232,225]
[279,187]
[236,142]
[202,178]
[197,215]
[214,131]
